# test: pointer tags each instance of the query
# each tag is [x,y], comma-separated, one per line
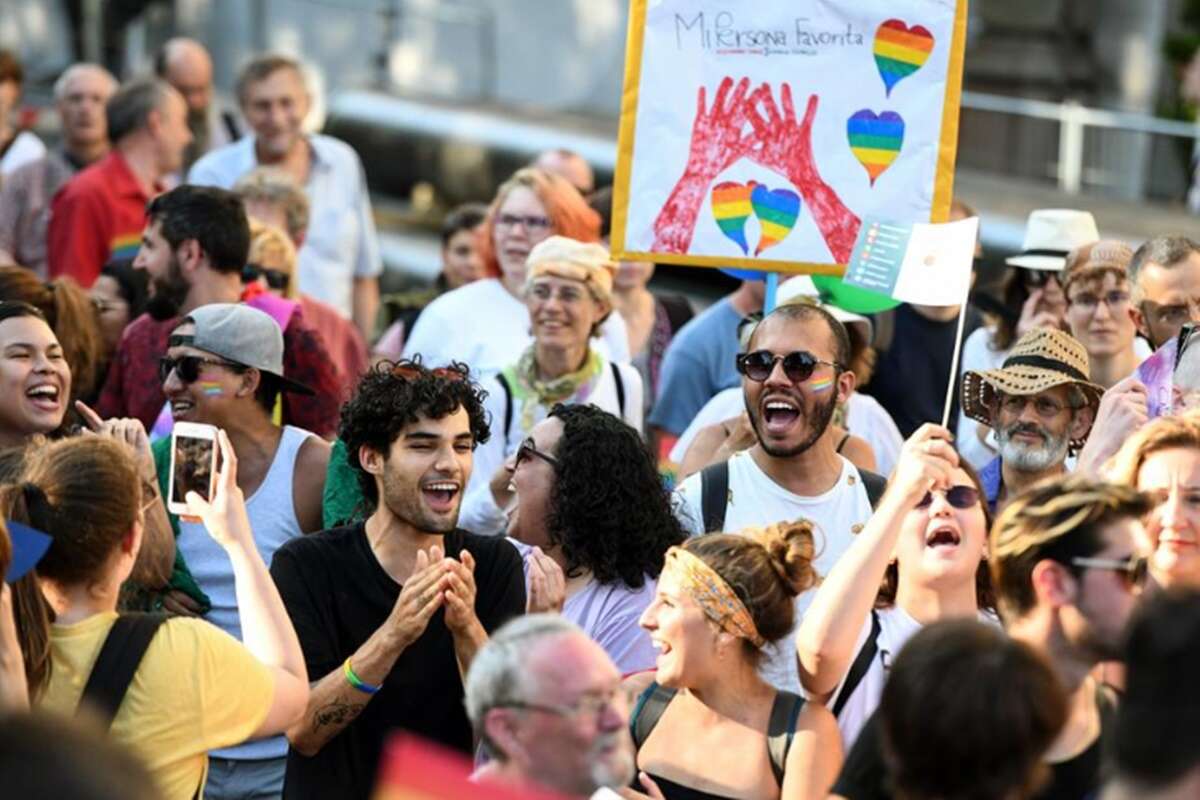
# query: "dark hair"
[262,67]
[214,217]
[766,568]
[609,509]
[69,312]
[1057,519]
[132,284]
[985,595]
[466,217]
[1014,293]
[130,106]
[395,394]
[983,740]
[86,493]
[10,68]
[600,201]
[1157,736]
[805,312]
[52,755]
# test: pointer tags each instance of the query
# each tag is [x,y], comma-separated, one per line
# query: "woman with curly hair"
[589,497]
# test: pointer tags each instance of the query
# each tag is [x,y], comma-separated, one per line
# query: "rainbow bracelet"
[357,682]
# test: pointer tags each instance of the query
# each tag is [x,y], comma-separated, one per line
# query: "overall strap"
[118,662]
[714,495]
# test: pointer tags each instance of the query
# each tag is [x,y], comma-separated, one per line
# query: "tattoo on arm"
[337,713]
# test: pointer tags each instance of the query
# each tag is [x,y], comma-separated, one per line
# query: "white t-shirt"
[485,327]
[756,500]
[865,418]
[896,627]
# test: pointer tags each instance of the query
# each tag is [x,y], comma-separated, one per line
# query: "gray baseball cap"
[243,335]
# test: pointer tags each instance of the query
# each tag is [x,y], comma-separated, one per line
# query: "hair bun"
[790,550]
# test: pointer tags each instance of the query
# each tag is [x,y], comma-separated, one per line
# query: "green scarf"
[532,391]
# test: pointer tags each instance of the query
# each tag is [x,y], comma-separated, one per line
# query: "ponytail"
[31,613]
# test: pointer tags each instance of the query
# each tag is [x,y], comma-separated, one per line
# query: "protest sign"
[759,134]
[928,264]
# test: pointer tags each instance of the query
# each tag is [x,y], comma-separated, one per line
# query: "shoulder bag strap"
[862,663]
[118,662]
[507,405]
[875,484]
[785,713]
[616,372]
[714,494]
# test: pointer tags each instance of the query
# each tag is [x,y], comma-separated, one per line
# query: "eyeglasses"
[797,366]
[528,450]
[188,367]
[531,222]
[1135,568]
[590,705]
[149,495]
[276,279]
[1038,278]
[1088,302]
[958,496]
[1014,404]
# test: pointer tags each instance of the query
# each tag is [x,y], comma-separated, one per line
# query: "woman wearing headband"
[708,725]
[919,559]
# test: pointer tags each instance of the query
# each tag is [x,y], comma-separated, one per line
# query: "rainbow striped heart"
[777,210]
[900,51]
[875,140]
[731,208]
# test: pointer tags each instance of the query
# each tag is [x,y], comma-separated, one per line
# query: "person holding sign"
[1041,404]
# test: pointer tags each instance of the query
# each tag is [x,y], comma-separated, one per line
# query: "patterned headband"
[719,601]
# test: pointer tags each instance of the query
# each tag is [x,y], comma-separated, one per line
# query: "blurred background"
[1068,103]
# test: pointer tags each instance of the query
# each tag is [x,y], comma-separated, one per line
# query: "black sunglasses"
[958,496]
[529,450]
[798,365]
[188,367]
[275,279]
[1038,278]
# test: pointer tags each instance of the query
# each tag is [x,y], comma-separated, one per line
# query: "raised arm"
[826,638]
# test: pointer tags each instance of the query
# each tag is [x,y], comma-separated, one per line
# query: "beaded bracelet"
[357,682]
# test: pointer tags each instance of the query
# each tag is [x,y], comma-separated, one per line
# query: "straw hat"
[1040,360]
[1050,234]
[801,289]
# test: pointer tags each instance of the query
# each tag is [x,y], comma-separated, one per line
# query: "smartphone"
[193,464]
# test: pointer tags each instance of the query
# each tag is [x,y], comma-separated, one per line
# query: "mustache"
[1027,427]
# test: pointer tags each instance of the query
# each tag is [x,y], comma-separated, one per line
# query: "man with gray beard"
[1041,404]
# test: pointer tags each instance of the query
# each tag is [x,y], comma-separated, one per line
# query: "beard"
[403,498]
[167,293]
[1031,458]
[614,772]
[819,415]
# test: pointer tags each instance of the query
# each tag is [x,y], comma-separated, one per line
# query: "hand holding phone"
[221,507]
[193,465]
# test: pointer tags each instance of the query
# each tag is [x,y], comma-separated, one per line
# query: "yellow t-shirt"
[197,689]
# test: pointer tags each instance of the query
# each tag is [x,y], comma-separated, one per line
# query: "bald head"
[186,65]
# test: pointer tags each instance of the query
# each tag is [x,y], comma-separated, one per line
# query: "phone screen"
[193,459]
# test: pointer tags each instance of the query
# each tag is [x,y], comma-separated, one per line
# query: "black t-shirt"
[337,596]
[864,774]
[911,375]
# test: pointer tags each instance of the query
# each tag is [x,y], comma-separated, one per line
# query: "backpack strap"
[649,709]
[714,495]
[616,372]
[785,712]
[875,484]
[118,662]
[507,404]
[862,663]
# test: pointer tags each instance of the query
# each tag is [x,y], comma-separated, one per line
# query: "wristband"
[356,681]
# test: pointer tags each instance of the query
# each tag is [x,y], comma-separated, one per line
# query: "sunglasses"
[798,366]
[1135,568]
[188,367]
[1038,278]
[410,372]
[529,450]
[957,496]
[275,278]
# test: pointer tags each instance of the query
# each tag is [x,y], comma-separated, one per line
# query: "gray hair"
[60,85]
[274,186]
[264,66]
[1166,251]
[499,673]
[130,107]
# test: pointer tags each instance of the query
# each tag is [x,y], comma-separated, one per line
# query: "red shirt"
[98,215]
[132,388]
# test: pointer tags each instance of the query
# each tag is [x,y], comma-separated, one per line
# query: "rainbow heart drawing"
[875,140]
[900,51]
[777,210]
[731,208]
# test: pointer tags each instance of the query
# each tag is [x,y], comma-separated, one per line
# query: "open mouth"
[45,397]
[181,407]
[944,536]
[441,495]
[779,415]
[662,647]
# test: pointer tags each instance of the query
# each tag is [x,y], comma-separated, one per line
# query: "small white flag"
[923,263]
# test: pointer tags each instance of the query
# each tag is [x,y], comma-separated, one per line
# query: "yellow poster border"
[943,187]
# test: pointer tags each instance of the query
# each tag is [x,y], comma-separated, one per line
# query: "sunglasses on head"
[958,496]
[275,278]
[411,373]
[188,367]
[798,365]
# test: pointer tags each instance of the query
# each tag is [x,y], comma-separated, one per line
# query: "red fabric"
[342,339]
[99,214]
[132,388]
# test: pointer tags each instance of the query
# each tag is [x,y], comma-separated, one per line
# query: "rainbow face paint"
[820,384]
[211,388]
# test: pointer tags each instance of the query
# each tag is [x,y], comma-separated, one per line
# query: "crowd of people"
[544,516]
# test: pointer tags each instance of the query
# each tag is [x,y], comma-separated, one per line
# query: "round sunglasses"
[958,496]
[798,366]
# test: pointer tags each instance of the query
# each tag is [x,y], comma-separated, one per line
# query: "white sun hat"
[1050,234]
